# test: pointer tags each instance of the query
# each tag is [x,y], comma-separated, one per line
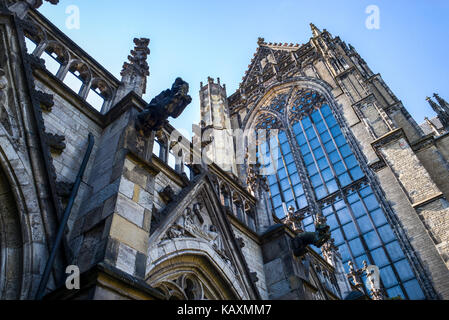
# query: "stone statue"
[318,238]
[170,103]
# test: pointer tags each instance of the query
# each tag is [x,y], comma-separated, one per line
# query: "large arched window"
[315,156]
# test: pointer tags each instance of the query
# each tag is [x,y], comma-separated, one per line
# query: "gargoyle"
[318,238]
[170,103]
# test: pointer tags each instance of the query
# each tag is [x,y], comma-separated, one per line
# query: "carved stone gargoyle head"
[318,238]
[169,103]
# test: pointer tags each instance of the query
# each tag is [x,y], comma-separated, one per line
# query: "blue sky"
[197,38]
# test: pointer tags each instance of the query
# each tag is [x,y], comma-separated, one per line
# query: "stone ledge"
[428,200]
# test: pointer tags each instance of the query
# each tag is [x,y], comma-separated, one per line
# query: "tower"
[350,150]
[216,125]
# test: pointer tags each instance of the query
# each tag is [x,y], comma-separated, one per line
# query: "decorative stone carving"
[170,103]
[191,224]
[294,220]
[45,99]
[255,180]
[167,194]
[56,142]
[35,62]
[317,238]
[64,189]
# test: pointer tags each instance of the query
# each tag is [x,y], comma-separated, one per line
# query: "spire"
[135,72]
[442,110]
[434,106]
[315,31]
[443,103]
[138,61]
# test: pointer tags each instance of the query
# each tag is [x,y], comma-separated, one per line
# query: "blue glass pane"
[371,203]
[326,137]
[378,217]
[344,251]
[345,151]
[344,216]
[327,174]
[351,162]
[315,143]
[316,180]
[335,131]
[301,139]
[339,168]
[358,209]
[289,158]
[312,169]
[299,190]
[297,128]
[282,174]
[395,251]
[295,179]
[272,179]
[288,195]
[286,148]
[316,116]
[345,179]
[365,224]
[404,270]
[350,231]
[308,221]
[285,184]
[302,202]
[332,186]
[330,147]
[274,190]
[386,233]
[413,290]
[356,247]
[323,164]
[339,205]
[321,127]
[277,201]
[388,277]
[380,258]
[338,237]
[326,110]
[366,191]
[334,157]
[318,153]
[282,137]
[357,173]
[341,141]
[292,168]
[321,192]
[327,211]
[332,222]
[310,133]
[280,212]
[372,240]
[308,159]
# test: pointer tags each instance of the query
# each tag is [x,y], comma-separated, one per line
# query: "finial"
[138,61]
[315,31]
[260,41]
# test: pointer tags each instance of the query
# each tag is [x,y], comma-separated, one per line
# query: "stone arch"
[15,234]
[314,84]
[175,258]
[83,69]
[61,52]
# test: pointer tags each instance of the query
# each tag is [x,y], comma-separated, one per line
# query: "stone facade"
[142,228]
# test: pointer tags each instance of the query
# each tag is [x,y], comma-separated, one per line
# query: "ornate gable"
[196,226]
